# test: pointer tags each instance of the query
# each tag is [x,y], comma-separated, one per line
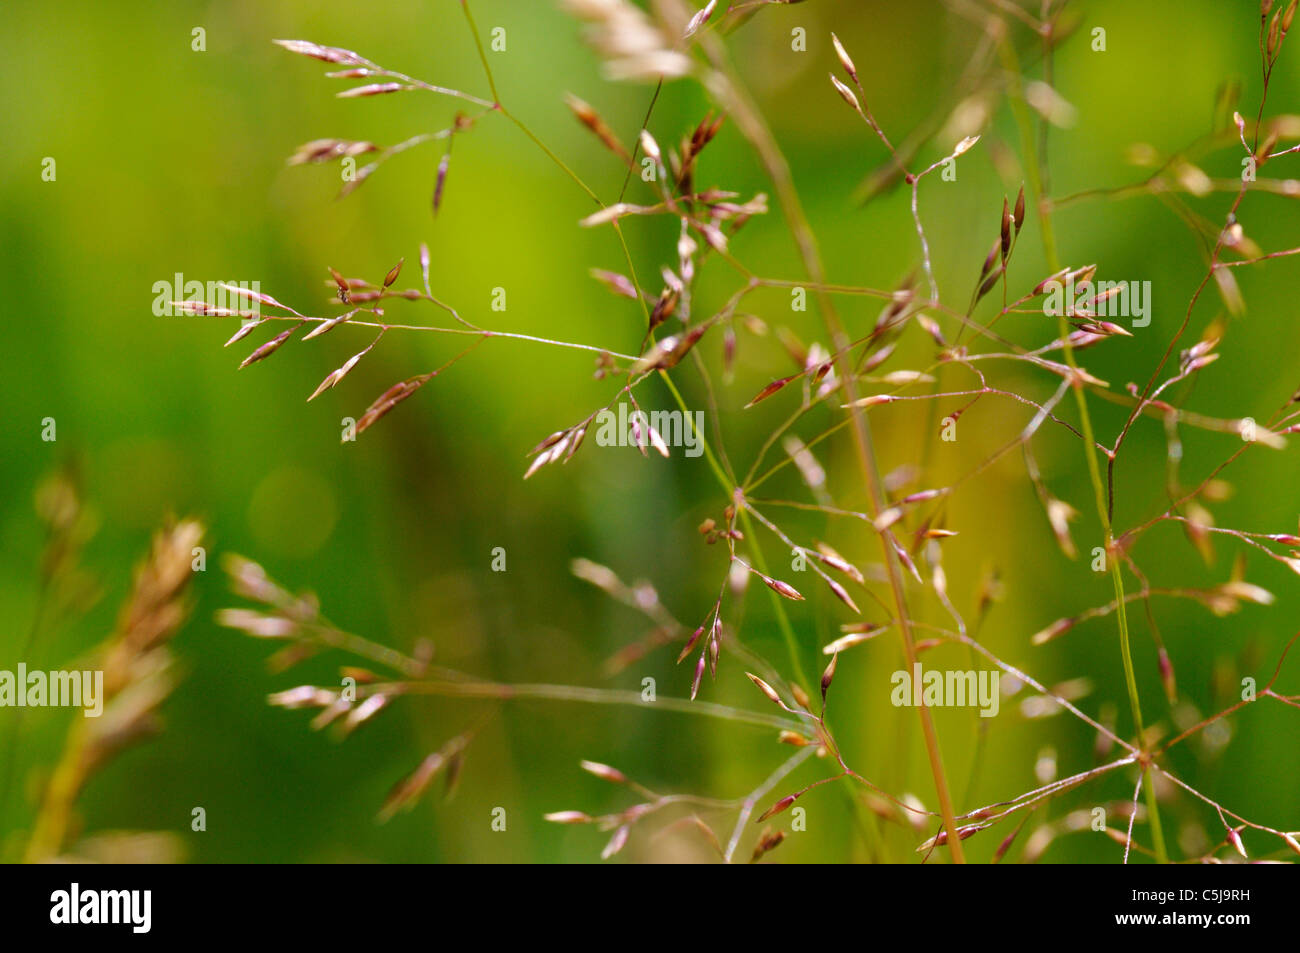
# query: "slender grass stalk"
[1041,204]
[755,129]
[580,694]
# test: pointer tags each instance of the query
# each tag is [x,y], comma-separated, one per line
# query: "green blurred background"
[171,160]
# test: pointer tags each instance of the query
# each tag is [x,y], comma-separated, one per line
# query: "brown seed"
[701,17]
[765,688]
[440,182]
[770,389]
[1006,230]
[829,675]
[842,594]
[256,296]
[699,674]
[304,696]
[784,588]
[372,89]
[363,712]
[777,808]
[337,375]
[769,840]
[390,399]
[845,60]
[1042,285]
[555,451]
[567,817]
[962,833]
[887,518]
[244,331]
[845,93]
[406,793]
[833,559]
[871,401]
[619,284]
[588,116]
[616,843]
[851,639]
[394,272]
[342,284]
[203,308]
[575,441]
[1167,677]
[330,54]
[713,129]
[323,150]
[267,349]
[424,266]
[800,696]
[604,772]
[549,442]
[690,644]
[990,258]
